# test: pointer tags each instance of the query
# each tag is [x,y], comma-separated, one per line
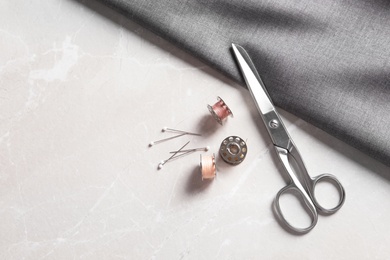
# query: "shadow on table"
[341,148]
[195,183]
[207,125]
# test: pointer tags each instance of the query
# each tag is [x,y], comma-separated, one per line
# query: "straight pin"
[166,129]
[161,164]
[166,139]
[181,154]
[193,150]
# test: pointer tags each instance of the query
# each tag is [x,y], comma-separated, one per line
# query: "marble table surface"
[84,91]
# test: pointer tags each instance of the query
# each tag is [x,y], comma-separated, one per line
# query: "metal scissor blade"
[270,116]
[253,80]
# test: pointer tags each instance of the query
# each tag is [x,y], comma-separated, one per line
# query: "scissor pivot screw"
[274,123]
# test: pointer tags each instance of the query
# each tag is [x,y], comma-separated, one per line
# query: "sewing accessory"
[161,164]
[300,181]
[165,139]
[220,110]
[233,150]
[166,129]
[193,150]
[207,166]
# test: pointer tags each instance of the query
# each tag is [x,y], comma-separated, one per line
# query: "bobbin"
[220,110]
[233,150]
[207,166]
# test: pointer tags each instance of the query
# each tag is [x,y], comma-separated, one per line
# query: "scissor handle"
[332,179]
[308,204]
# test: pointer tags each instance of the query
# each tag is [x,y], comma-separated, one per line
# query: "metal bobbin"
[233,150]
[207,166]
[220,110]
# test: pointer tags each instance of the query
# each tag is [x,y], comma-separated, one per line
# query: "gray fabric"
[327,62]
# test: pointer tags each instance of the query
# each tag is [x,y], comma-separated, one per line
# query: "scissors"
[300,181]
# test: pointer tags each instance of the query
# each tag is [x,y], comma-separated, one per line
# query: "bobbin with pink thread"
[207,166]
[220,110]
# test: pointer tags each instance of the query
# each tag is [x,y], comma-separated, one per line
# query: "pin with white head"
[161,164]
[193,150]
[167,129]
[165,139]
[171,130]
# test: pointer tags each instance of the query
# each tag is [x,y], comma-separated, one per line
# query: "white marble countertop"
[84,90]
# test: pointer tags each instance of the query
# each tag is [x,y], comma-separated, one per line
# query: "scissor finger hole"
[294,209]
[327,193]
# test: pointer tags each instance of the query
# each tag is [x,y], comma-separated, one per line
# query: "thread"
[220,110]
[207,166]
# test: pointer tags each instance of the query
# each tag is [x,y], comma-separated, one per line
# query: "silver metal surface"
[300,181]
[253,80]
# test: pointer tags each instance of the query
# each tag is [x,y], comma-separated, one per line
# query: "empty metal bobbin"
[233,150]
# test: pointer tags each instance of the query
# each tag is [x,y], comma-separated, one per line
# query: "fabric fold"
[326,62]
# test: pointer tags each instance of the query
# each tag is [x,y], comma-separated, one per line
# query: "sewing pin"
[161,164]
[166,129]
[166,139]
[193,150]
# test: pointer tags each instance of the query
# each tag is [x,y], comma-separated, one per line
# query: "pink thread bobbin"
[220,110]
[207,166]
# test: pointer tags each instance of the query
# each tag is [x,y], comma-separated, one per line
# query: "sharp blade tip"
[234,46]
